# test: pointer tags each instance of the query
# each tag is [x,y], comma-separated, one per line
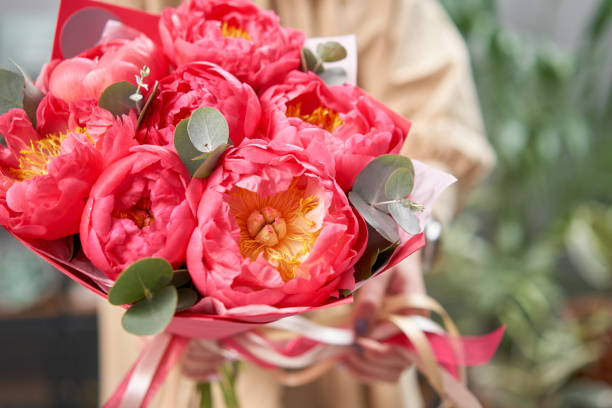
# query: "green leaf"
[188,154]
[331,51]
[116,98]
[31,94]
[400,183]
[11,91]
[310,62]
[139,280]
[187,297]
[380,221]
[377,254]
[210,162]
[151,315]
[371,182]
[405,217]
[207,129]
[334,76]
[180,277]
[147,104]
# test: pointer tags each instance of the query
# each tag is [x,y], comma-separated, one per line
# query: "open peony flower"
[138,209]
[46,173]
[235,34]
[273,229]
[196,85]
[303,109]
[87,75]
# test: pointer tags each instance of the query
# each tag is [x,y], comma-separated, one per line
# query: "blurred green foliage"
[533,248]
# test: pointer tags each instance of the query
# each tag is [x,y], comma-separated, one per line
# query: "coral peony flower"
[304,109]
[235,34]
[193,86]
[274,228]
[46,173]
[138,209]
[87,75]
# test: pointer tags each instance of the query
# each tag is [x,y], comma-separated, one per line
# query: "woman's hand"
[369,360]
[202,360]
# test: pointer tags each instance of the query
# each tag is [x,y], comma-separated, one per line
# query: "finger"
[368,372]
[369,300]
[408,276]
[201,375]
[381,355]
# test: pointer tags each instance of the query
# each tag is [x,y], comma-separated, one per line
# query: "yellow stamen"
[276,226]
[234,32]
[33,160]
[323,117]
[140,213]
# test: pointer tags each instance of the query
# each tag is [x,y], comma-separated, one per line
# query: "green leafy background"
[533,249]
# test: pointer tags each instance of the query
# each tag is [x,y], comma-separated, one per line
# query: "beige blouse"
[412,58]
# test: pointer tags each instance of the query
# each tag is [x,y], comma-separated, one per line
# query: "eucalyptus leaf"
[31,94]
[116,98]
[400,183]
[207,129]
[371,182]
[377,254]
[405,217]
[180,277]
[11,91]
[379,220]
[187,297]
[190,156]
[334,76]
[151,315]
[331,51]
[210,162]
[147,104]
[311,62]
[139,280]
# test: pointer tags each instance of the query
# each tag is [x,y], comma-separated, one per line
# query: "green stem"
[205,394]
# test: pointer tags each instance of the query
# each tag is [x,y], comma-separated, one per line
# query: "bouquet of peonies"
[198,169]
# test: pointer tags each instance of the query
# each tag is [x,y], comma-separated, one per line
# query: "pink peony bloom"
[196,85]
[46,173]
[274,229]
[235,34]
[304,109]
[138,209]
[87,75]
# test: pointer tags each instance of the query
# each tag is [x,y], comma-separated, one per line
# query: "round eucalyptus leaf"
[379,220]
[11,91]
[207,129]
[405,217]
[210,162]
[180,277]
[331,51]
[310,62]
[139,280]
[31,94]
[116,98]
[334,76]
[187,297]
[151,316]
[371,181]
[185,149]
[400,183]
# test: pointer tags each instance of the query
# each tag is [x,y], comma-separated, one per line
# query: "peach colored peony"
[87,75]
[45,173]
[274,229]
[235,34]
[303,109]
[193,86]
[138,209]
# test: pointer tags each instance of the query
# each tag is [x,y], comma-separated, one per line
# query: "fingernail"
[361,326]
[358,349]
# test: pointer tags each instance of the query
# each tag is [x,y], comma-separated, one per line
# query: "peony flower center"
[234,32]
[276,226]
[140,213]
[34,159]
[323,117]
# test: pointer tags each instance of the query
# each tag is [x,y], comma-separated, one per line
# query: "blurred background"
[532,248]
